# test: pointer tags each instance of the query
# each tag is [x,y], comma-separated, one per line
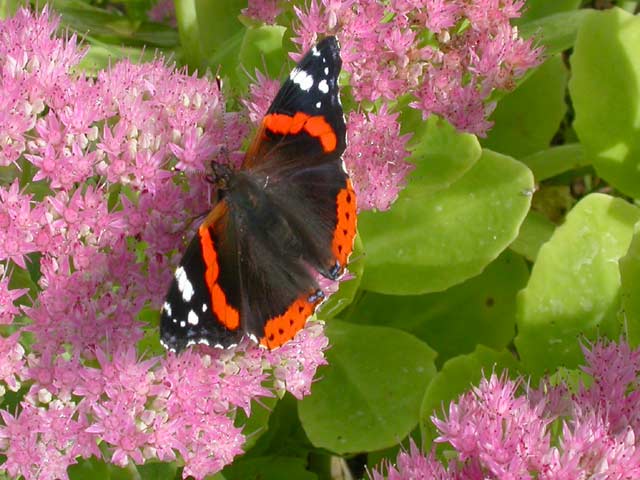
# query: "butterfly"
[287,213]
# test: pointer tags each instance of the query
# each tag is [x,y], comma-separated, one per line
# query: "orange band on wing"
[227,315]
[279,330]
[345,231]
[317,127]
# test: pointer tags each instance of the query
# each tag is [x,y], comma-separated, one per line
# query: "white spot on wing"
[184,285]
[315,52]
[323,86]
[318,104]
[183,323]
[204,307]
[326,70]
[301,78]
[167,308]
[192,318]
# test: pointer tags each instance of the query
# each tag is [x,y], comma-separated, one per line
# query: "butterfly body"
[289,212]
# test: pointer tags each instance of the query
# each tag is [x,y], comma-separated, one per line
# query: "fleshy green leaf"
[210,33]
[456,377]
[440,153]
[556,33]
[285,435]
[369,395]
[478,311]
[261,49]
[604,87]
[269,468]
[556,160]
[527,118]
[537,9]
[256,424]
[94,469]
[427,243]
[101,55]
[157,471]
[534,232]
[630,279]
[110,26]
[574,288]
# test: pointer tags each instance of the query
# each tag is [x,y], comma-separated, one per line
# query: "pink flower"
[12,368]
[106,233]
[263,10]
[163,11]
[262,91]
[8,309]
[376,156]
[497,431]
[452,77]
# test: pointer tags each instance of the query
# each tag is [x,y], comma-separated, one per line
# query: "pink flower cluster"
[443,57]
[496,431]
[104,184]
[470,50]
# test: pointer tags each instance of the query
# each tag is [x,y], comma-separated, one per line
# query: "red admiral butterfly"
[289,210]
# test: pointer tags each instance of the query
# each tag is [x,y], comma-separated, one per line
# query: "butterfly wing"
[304,126]
[298,150]
[200,307]
[297,154]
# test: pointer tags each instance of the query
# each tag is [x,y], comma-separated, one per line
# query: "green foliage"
[370,394]
[462,261]
[604,88]
[430,242]
[574,289]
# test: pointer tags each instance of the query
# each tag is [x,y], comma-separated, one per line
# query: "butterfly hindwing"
[199,307]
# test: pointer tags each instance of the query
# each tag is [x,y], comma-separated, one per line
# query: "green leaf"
[101,55]
[556,160]
[110,26]
[284,435]
[456,377]
[9,7]
[427,243]
[537,9]
[94,469]
[441,154]
[574,288]
[261,49]
[527,118]
[369,396]
[535,231]
[478,311]
[210,30]
[604,88]
[268,468]
[556,33]
[256,425]
[630,279]
[157,471]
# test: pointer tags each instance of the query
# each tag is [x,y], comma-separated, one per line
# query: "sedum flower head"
[502,430]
